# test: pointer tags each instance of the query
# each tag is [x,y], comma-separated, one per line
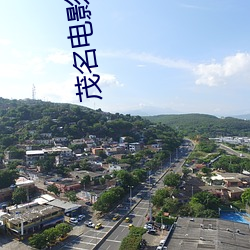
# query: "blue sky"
[162,57]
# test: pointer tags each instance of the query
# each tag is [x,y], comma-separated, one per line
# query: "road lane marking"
[116,241]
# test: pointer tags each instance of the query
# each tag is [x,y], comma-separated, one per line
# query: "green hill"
[23,120]
[208,125]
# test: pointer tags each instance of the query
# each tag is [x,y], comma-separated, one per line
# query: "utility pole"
[130,194]
[149,204]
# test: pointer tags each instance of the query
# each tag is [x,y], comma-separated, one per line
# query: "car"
[152,231]
[116,217]
[162,243]
[81,217]
[89,224]
[98,226]
[148,226]
[130,226]
[64,237]
[73,220]
[127,220]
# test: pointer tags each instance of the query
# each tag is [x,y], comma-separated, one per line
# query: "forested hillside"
[22,120]
[208,125]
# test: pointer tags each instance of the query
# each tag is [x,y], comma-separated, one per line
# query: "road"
[231,151]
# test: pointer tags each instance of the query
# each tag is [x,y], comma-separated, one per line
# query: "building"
[32,156]
[134,147]
[118,167]
[69,209]
[24,220]
[67,184]
[204,233]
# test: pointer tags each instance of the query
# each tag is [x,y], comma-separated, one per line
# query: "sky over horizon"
[162,57]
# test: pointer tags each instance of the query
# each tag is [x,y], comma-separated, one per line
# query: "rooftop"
[67,206]
[29,212]
[201,233]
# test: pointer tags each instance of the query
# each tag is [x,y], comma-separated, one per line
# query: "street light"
[130,189]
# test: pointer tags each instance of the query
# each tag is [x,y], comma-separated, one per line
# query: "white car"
[148,226]
[73,220]
[81,217]
[89,224]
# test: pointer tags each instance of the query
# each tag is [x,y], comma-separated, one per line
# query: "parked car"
[152,231]
[98,226]
[130,226]
[148,226]
[64,237]
[89,224]
[81,217]
[73,220]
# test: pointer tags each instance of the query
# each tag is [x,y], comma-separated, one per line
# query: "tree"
[209,200]
[160,195]
[19,195]
[85,180]
[170,205]
[126,179]
[51,235]
[63,228]
[245,197]
[206,171]
[108,199]
[54,189]
[140,174]
[102,180]
[7,177]
[71,195]
[172,180]
[186,171]
[38,241]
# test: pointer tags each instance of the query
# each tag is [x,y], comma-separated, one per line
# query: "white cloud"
[60,57]
[109,80]
[232,67]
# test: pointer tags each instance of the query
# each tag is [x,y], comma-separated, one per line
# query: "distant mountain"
[149,111]
[209,125]
[243,117]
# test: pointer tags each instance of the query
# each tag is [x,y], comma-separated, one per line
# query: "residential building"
[32,156]
[117,167]
[24,220]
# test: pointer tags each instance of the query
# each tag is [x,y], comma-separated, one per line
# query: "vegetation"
[245,197]
[19,195]
[133,240]
[109,199]
[158,199]
[54,189]
[200,124]
[49,236]
[172,180]
[232,164]
[71,195]
[7,177]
